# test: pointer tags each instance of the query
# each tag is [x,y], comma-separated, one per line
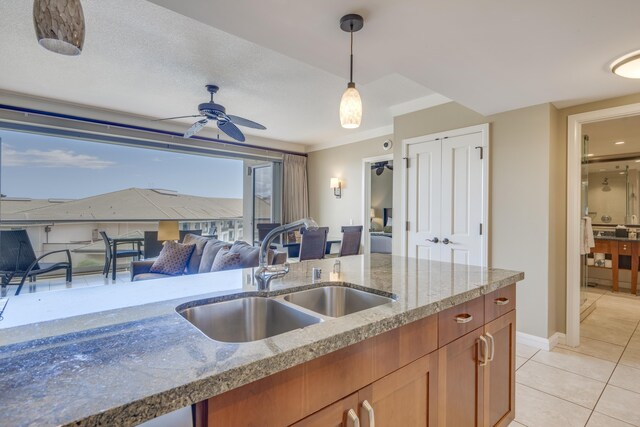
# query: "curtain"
[295,194]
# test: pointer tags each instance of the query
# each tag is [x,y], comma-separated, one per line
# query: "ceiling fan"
[380,166]
[226,122]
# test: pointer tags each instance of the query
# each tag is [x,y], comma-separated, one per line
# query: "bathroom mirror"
[613,192]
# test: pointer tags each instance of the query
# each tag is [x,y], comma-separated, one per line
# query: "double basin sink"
[255,318]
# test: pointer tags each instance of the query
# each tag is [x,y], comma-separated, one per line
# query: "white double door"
[447,196]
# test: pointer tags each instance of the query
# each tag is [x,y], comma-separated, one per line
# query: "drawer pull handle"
[352,418]
[502,301]
[482,351]
[367,407]
[492,347]
[463,318]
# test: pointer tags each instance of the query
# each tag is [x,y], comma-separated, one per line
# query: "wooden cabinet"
[406,397]
[499,372]
[335,415]
[401,378]
[476,376]
[460,387]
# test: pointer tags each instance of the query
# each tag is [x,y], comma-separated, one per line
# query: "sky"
[46,167]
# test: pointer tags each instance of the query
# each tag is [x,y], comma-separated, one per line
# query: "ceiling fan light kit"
[351,103]
[59,25]
[216,112]
[627,66]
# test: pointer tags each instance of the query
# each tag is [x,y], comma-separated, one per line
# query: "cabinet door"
[334,415]
[460,381]
[406,397]
[499,374]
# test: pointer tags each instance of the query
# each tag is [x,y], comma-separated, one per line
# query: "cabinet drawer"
[457,321]
[624,248]
[499,302]
[602,247]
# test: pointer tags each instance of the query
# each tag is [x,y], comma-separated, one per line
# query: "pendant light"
[351,104]
[59,25]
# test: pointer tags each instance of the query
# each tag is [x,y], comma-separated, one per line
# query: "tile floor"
[596,384]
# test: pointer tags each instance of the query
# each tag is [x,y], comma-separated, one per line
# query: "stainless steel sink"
[246,319]
[336,301]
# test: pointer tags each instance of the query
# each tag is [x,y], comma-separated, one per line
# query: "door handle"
[492,347]
[371,414]
[483,351]
[446,241]
[434,240]
[352,419]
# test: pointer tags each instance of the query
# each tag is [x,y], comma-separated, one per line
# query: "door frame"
[483,129]
[574,179]
[366,197]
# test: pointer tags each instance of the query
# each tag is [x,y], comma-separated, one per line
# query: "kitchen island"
[120,355]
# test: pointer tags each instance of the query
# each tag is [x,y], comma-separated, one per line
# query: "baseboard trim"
[542,343]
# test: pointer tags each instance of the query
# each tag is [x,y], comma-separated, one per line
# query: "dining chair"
[313,243]
[351,236]
[120,253]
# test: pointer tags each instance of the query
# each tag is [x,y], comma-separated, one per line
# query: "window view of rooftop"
[66,193]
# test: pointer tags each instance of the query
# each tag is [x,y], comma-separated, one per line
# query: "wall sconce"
[337,187]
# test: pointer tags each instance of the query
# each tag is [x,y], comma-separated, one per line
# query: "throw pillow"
[226,260]
[172,259]
[194,262]
[248,254]
[209,254]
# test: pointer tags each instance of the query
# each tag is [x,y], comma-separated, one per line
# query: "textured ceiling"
[284,63]
[144,59]
[489,55]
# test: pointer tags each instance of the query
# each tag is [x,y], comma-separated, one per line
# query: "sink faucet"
[266,273]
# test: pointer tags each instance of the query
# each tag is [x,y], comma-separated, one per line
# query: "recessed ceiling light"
[627,66]
[621,173]
[602,170]
[619,142]
[590,155]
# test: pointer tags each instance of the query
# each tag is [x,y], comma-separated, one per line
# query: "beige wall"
[519,194]
[344,162]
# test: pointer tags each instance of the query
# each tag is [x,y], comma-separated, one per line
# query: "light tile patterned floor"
[596,384]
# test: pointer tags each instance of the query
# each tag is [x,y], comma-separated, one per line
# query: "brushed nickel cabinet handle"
[353,419]
[372,416]
[483,350]
[492,347]
[463,318]
[502,301]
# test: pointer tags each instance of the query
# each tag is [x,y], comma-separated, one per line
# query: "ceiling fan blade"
[245,122]
[178,117]
[196,127]
[230,129]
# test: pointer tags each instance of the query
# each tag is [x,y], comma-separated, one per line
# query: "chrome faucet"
[265,272]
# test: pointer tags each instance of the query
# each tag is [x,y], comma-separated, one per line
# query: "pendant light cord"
[351,63]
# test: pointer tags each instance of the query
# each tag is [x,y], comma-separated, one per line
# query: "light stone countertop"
[120,355]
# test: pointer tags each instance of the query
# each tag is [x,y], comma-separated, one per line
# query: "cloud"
[51,159]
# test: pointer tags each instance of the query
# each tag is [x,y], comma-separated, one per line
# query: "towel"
[586,232]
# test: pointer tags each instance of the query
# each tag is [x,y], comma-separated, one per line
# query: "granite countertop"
[620,239]
[120,355]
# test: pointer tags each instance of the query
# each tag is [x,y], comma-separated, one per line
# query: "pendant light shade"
[59,25]
[351,103]
[351,108]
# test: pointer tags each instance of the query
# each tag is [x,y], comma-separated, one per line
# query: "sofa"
[203,256]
